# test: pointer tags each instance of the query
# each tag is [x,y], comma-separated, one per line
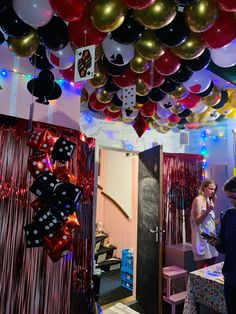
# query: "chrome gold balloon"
[113,108]
[163,129]
[177,109]
[193,117]
[158,15]
[84,97]
[100,77]
[213,98]
[107,15]
[226,109]
[139,64]
[201,15]
[191,48]
[141,88]
[103,95]
[148,46]
[203,117]
[180,93]
[152,124]
[98,52]
[138,106]
[25,46]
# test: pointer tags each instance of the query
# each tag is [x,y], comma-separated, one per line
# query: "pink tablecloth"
[206,286]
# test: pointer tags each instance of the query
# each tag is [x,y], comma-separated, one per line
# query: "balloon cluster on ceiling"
[162,46]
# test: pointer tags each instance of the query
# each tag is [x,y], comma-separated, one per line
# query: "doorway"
[117,223]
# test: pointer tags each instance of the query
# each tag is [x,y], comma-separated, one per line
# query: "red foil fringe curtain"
[30,283]
[182,175]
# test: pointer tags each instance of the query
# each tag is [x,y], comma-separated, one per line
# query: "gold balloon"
[100,77]
[232,115]
[193,117]
[213,98]
[232,99]
[113,108]
[191,48]
[107,15]
[180,93]
[148,46]
[98,52]
[226,109]
[152,124]
[84,97]
[203,117]
[103,96]
[25,46]
[201,15]
[163,129]
[178,108]
[138,64]
[138,106]
[158,15]
[172,125]
[141,88]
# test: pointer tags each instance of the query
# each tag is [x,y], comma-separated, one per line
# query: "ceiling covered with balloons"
[169,51]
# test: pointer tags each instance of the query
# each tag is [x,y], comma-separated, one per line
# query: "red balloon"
[168,63]
[222,32]
[139,4]
[83,33]
[148,109]
[227,5]
[193,125]
[69,10]
[126,79]
[95,104]
[112,115]
[174,119]
[190,101]
[68,74]
[157,80]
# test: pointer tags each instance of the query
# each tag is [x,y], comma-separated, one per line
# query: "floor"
[110,288]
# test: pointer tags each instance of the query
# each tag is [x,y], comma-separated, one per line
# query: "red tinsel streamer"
[30,283]
[182,176]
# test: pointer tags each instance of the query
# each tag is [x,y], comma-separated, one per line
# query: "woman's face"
[209,190]
[232,197]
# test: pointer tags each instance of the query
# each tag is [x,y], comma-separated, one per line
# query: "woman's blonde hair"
[205,184]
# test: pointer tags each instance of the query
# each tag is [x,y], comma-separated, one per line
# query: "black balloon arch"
[163,47]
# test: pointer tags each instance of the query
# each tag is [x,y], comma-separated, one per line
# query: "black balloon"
[168,86]
[220,118]
[207,91]
[54,35]
[223,100]
[182,122]
[174,33]
[184,113]
[110,86]
[112,69]
[116,101]
[40,60]
[129,31]
[13,25]
[2,38]
[156,94]
[142,99]
[184,2]
[182,75]
[200,62]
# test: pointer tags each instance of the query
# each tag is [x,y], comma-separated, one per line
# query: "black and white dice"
[63,150]
[33,234]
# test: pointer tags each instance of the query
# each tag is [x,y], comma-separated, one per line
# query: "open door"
[149,240]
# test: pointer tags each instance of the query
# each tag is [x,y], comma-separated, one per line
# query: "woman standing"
[227,244]
[203,220]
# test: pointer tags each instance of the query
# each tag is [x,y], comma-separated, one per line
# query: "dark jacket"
[228,244]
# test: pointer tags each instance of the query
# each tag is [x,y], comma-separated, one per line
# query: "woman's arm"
[196,212]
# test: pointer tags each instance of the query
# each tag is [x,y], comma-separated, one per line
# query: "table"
[206,286]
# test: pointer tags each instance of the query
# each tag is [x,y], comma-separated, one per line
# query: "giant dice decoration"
[44,186]
[63,150]
[47,222]
[42,140]
[34,237]
[68,195]
[37,164]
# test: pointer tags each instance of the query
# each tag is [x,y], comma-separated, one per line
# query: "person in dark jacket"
[227,244]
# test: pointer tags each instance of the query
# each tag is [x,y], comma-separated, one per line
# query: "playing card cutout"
[84,63]
[129,96]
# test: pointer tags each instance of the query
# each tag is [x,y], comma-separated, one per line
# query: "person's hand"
[209,206]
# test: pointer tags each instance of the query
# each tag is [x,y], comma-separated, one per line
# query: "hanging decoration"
[162,47]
